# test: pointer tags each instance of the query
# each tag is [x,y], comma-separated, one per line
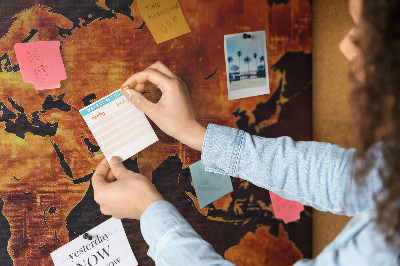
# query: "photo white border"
[248,92]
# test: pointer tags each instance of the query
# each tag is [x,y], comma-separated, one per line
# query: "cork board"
[331,88]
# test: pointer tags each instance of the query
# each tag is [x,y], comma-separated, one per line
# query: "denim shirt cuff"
[158,219]
[222,148]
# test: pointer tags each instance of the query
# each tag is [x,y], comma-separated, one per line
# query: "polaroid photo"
[246,64]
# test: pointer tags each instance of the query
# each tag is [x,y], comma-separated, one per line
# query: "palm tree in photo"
[255,58]
[234,68]
[247,60]
[239,55]
[230,60]
[262,59]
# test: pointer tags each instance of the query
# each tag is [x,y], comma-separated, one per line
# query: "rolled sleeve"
[222,149]
[313,173]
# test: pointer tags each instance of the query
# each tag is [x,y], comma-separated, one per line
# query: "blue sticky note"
[209,186]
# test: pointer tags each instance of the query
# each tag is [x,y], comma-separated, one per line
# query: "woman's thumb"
[138,100]
[116,166]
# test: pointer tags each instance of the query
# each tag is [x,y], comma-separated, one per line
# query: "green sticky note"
[209,186]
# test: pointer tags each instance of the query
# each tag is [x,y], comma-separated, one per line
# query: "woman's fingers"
[160,67]
[160,80]
[140,102]
[99,179]
[127,197]
[110,177]
[173,112]
[117,168]
[100,174]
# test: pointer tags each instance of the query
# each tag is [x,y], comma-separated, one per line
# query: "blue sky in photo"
[248,47]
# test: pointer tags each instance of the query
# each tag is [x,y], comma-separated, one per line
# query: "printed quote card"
[108,246]
[118,126]
[209,186]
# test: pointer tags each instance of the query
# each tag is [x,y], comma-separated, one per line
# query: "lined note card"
[41,63]
[118,126]
[164,18]
[209,186]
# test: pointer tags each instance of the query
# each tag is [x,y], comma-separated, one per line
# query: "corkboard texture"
[331,88]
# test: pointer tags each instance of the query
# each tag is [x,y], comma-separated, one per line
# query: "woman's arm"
[172,241]
[312,173]
[315,174]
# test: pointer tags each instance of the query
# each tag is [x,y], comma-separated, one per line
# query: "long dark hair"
[376,104]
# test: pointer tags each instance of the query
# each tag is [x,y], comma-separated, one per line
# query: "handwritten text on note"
[41,63]
[164,19]
[209,186]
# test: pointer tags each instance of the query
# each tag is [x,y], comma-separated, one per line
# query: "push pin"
[89,237]
[246,36]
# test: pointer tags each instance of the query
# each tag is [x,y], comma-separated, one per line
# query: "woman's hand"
[173,113]
[128,196]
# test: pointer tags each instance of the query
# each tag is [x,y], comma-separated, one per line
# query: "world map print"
[48,154]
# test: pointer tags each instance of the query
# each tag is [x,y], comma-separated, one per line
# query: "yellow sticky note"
[164,18]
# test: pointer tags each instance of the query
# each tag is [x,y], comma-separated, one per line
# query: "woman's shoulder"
[361,240]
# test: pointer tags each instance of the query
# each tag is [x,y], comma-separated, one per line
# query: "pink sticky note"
[284,209]
[41,63]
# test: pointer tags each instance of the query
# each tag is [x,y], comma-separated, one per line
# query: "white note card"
[118,126]
[109,247]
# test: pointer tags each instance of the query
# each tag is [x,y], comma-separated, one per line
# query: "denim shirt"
[312,173]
